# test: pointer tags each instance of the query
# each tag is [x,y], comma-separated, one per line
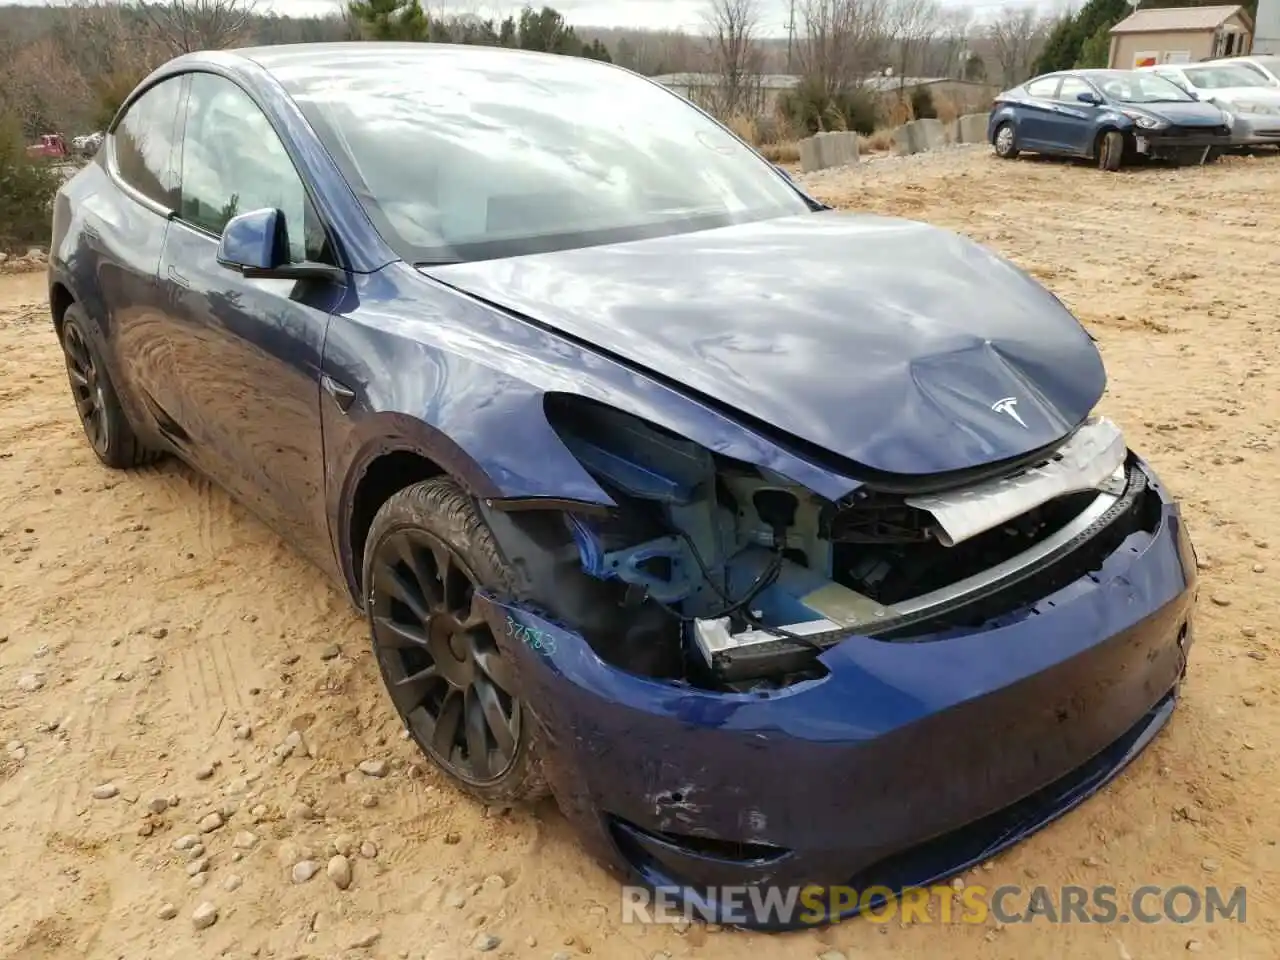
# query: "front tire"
[106,426]
[1110,150]
[451,680]
[1005,141]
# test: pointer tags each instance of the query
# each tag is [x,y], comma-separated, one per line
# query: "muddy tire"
[1110,151]
[1005,141]
[451,679]
[105,424]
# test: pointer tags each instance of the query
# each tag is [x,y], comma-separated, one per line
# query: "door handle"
[176,277]
[342,394]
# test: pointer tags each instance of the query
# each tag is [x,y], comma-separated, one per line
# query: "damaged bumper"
[905,763]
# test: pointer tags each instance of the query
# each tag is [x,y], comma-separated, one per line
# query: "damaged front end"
[722,575]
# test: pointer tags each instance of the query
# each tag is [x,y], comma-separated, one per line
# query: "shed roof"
[1174,19]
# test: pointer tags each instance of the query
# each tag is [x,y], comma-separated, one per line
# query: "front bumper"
[906,763]
[1255,130]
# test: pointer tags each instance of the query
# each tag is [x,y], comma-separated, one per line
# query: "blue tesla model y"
[782,545]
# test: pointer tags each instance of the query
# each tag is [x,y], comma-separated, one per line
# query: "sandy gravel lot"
[155,638]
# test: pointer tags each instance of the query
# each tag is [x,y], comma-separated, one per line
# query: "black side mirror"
[1088,96]
[256,245]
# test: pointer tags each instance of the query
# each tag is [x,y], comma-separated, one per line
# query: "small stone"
[1091,861]
[339,871]
[204,773]
[1257,655]
[167,911]
[368,801]
[484,942]
[305,870]
[368,849]
[1124,951]
[957,883]
[1259,568]
[455,899]
[832,955]
[1187,812]
[493,883]
[1248,632]
[105,791]
[300,811]
[212,822]
[197,866]
[1219,600]
[195,851]
[289,659]
[30,682]
[159,633]
[205,915]
[330,652]
[365,939]
[244,840]
[244,732]
[186,842]
[1209,865]
[1194,946]
[158,805]
[452,838]
[344,844]
[145,829]
[198,881]
[373,768]
[560,955]
[530,941]
[259,811]
[681,926]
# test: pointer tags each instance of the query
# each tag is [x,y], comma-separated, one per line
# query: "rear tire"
[106,426]
[450,677]
[1005,141]
[1110,150]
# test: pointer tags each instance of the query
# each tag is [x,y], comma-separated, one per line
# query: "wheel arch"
[60,300]
[1103,129]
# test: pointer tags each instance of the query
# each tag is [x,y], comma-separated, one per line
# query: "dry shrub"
[946,107]
[878,142]
[785,152]
[744,127]
[898,112]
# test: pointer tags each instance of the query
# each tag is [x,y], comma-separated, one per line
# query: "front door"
[245,391]
[1074,122]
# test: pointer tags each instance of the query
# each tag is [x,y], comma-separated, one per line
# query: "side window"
[1044,87]
[143,143]
[1071,87]
[233,162]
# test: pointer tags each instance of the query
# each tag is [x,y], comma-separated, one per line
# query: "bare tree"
[842,43]
[911,26]
[1016,35]
[944,57]
[186,25]
[735,58]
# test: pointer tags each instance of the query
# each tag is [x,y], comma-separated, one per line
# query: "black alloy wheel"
[87,389]
[445,672]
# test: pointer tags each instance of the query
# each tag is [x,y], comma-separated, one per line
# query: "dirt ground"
[158,640]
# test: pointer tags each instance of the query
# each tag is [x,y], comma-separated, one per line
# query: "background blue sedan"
[1107,116]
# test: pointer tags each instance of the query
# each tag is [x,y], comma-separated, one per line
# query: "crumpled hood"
[902,347]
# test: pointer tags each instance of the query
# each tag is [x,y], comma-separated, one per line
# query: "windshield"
[1264,65]
[1224,76]
[466,153]
[1134,87]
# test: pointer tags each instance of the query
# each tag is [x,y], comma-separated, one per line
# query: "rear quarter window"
[143,143]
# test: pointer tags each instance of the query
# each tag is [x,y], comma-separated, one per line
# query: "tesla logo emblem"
[1009,406]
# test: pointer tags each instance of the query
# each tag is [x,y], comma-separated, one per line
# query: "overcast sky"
[653,14]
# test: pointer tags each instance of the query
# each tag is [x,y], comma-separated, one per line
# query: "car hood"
[1192,113]
[1267,95]
[904,348]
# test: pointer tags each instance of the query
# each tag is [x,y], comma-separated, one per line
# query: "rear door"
[123,224]
[245,391]
[1035,122]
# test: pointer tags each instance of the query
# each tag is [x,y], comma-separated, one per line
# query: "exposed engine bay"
[726,575]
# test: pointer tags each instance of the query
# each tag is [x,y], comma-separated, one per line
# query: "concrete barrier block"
[928,134]
[828,149]
[972,128]
[904,143]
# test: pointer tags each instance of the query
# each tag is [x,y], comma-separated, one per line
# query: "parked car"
[782,545]
[1107,116]
[51,146]
[87,144]
[1250,98]
[1266,66]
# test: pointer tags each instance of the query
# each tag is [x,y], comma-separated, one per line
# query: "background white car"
[1265,65]
[1244,92]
